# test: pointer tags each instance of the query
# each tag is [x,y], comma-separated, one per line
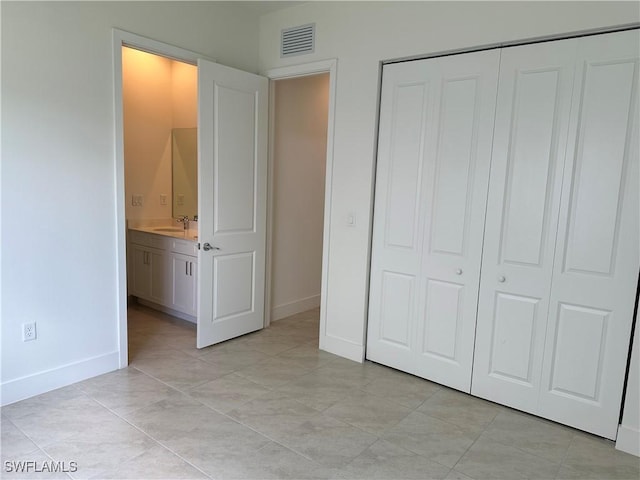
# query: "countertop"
[175,232]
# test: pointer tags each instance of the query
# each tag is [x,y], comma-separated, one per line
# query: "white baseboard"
[42,382]
[287,309]
[342,348]
[628,440]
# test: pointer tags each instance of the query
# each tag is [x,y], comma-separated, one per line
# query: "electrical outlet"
[28,331]
[163,199]
[180,199]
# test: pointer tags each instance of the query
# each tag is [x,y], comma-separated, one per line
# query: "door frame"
[121,38]
[329,66]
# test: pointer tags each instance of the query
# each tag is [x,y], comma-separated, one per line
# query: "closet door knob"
[502,279]
[458,271]
[207,246]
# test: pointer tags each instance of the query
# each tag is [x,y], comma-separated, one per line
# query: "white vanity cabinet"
[183,266]
[148,273]
[163,270]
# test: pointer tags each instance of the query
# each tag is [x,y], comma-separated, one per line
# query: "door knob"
[207,246]
[502,278]
[459,271]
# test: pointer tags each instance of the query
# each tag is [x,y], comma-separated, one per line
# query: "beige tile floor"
[271,405]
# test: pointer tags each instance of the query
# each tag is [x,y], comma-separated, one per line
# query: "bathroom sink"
[169,229]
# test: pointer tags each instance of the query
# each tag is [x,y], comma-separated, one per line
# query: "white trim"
[325,66]
[297,306]
[269,240]
[628,440]
[149,45]
[120,39]
[41,382]
[343,348]
[303,70]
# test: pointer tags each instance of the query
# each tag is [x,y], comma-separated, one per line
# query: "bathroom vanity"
[163,266]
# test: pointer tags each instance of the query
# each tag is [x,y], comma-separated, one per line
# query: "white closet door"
[436,126]
[532,118]
[596,267]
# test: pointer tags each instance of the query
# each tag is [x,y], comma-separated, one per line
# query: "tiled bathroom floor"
[271,405]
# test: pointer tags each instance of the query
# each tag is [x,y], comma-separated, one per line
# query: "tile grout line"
[230,418]
[158,442]
[558,464]
[474,442]
[38,448]
[318,412]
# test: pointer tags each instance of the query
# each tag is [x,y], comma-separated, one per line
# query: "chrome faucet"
[184,219]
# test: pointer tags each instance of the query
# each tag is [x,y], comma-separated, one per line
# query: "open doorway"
[160,117]
[299,152]
[217,272]
[300,189]
[236,297]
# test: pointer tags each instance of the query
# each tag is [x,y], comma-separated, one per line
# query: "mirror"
[184,167]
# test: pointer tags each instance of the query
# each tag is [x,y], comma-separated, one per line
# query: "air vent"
[298,40]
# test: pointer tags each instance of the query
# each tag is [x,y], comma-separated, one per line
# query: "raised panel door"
[532,120]
[597,256]
[232,194]
[432,173]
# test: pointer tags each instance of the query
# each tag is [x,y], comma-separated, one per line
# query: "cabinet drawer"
[184,247]
[147,239]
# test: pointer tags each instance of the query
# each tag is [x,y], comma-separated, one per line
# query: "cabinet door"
[183,283]
[160,277]
[140,272]
[532,119]
[436,125]
[596,267]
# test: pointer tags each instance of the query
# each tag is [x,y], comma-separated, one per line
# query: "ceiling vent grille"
[298,40]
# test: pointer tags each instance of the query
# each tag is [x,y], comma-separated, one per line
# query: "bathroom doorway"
[217,272]
[160,118]
[217,78]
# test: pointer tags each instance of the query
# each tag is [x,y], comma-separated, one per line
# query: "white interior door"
[596,268]
[232,163]
[532,119]
[436,125]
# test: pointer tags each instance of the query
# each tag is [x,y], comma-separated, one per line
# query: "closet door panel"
[432,175]
[532,118]
[513,331]
[456,176]
[597,258]
[405,113]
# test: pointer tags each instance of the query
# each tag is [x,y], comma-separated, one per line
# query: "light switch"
[163,199]
[351,220]
[136,200]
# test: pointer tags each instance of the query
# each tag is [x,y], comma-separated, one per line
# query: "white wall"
[58,172]
[300,148]
[159,95]
[361,35]
[148,119]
